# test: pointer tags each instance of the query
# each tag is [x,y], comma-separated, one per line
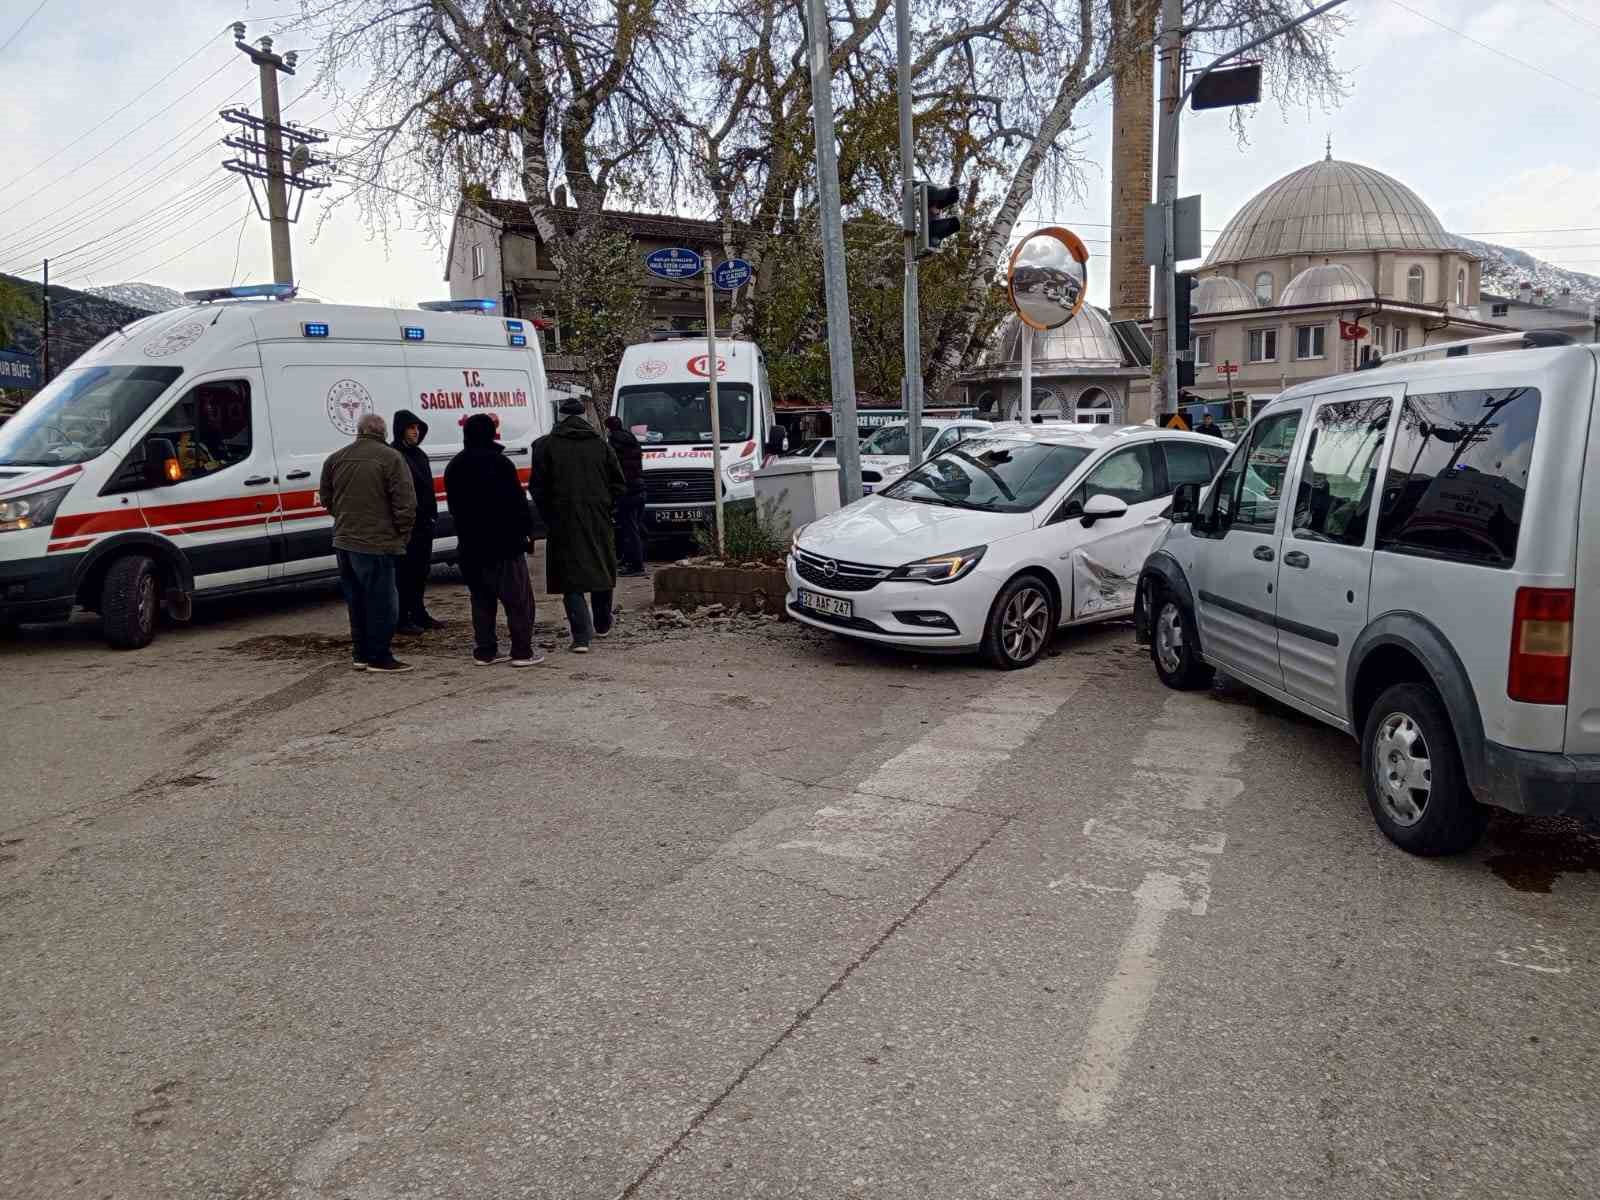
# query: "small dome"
[1331,283]
[1330,207]
[1219,294]
[1084,341]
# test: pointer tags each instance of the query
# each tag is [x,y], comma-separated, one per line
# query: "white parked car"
[1412,555]
[886,455]
[998,541]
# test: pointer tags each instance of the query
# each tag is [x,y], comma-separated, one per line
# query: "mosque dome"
[1219,294]
[1331,283]
[1084,341]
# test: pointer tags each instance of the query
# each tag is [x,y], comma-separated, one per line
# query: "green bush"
[752,531]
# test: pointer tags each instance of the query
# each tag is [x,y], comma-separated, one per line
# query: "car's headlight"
[742,472]
[895,469]
[32,510]
[941,568]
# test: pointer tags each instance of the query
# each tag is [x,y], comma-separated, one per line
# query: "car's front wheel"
[1415,783]
[1022,621]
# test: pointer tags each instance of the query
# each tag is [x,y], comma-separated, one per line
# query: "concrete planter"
[739,589]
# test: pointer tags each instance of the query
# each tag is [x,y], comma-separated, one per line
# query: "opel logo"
[830,568]
[678,485]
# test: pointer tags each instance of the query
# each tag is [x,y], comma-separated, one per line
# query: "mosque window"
[1415,278]
[1264,288]
[1461,288]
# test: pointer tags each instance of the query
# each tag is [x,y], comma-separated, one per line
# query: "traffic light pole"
[1174,95]
[836,290]
[911,333]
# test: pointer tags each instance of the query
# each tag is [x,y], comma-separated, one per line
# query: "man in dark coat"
[411,580]
[493,532]
[630,509]
[1208,425]
[575,482]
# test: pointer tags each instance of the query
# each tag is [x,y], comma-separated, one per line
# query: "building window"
[1263,345]
[1461,288]
[1399,340]
[1310,341]
[1415,278]
[1202,350]
[479,262]
[1379,334]
[1499,310]
[1264,288]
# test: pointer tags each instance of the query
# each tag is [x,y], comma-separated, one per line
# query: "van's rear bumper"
[38,589]
[1541,783]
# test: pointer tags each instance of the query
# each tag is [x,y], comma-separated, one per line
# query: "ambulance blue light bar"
[519,339]
[314,328]
[414,333]
[513,326]
[482,305]
[248,291]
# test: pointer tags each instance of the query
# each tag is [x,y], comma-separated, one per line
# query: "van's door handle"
[1264,553]
[257,480]
[1297,558]
[298,475]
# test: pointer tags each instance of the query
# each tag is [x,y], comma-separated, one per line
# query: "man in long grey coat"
[575,481]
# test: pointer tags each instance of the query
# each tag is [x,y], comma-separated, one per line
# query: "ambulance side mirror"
[161,465]
[777,440]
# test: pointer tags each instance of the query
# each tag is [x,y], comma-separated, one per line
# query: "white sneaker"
[580,649]
[528,662]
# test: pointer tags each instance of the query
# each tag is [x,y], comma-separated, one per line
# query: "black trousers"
[411,580]
[630,531]
[492,585]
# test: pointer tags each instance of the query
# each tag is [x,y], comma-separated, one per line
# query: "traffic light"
[1182,310]
[932,228]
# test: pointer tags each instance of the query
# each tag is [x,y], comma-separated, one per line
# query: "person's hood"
[403,420]
[478,432]
[575,426]
[623,437]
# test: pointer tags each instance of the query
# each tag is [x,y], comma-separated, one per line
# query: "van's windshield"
[679,414]
[80,414]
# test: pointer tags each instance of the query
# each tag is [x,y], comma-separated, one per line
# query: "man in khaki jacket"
[367,489]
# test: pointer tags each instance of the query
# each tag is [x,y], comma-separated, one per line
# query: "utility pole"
[44,300]
[841,362]
[263,141]
[911,333]
[1164,362]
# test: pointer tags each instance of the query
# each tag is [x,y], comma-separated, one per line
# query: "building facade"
[1080,372]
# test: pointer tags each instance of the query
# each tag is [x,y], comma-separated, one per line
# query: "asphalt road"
[738,910]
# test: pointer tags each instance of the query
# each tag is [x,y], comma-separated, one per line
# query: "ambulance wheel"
[129,602]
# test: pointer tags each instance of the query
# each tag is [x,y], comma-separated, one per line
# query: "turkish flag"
[1351,331]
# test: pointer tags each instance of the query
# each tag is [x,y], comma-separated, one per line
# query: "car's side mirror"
[777,440]
[1102,506]
[1185,501]
[161,465]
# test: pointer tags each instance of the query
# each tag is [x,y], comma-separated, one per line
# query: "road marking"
[1552,953]
[1153,824]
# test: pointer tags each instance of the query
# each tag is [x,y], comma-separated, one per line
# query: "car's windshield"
[896,439]
[992,474]
[679,414]
[80,414]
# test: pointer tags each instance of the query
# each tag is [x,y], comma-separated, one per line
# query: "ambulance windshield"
[80,414]
[679,414]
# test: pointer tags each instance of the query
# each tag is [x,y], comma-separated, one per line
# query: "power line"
[117,258]
[1567,12]
[1521,62]
[26,21]
[210,237]
[172,209]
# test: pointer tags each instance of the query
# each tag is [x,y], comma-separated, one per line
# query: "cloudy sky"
[1485,107]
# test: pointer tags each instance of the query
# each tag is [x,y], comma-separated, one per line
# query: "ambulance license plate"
[681,515]
[831,605]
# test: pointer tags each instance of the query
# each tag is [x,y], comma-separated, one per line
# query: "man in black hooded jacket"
[494,529]
[411,580]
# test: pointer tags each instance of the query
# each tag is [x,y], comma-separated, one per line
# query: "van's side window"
[1334,500]
[1246,494]
[1458,474]
[209,426]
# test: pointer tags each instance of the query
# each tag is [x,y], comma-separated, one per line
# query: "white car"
[997,542]
[885,456]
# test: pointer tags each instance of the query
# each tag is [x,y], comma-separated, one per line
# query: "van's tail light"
[1541,646]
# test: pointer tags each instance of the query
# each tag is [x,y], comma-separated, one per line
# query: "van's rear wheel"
[129,602]
[1415,783]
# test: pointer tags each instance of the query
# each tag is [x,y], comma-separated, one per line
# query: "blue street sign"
[18,370]
[734,273]
[675,262]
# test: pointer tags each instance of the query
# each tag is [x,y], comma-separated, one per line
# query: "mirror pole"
[1025,409]
[910,317]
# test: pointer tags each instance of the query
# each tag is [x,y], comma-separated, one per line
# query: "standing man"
[366,488]
[1209,425]
[412,574]
[575,482]
[630,509]
[494,532]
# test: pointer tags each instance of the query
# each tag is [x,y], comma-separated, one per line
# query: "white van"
[662,395]
[180,456]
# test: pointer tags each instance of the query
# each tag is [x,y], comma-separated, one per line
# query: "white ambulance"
[662,395]
[180,457]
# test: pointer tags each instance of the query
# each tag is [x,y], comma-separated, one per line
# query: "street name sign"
[731,275]
[674,262]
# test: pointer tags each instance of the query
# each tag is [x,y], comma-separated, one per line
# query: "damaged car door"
[1107,526]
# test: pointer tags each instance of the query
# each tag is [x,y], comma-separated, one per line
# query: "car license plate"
[826,604]
[680,515]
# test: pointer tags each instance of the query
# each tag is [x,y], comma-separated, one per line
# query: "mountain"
[78,320]
[151,297]
[1505,269]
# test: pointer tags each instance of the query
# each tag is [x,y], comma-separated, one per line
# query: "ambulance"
[179,458]
[663,395]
